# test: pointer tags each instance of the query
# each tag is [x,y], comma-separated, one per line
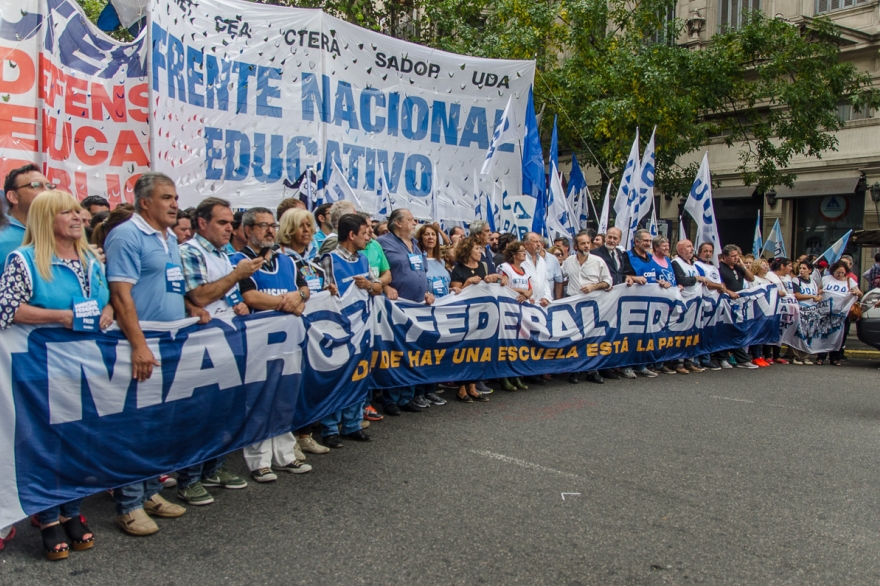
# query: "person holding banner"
[146,284]
[519,278]
[275,286]
[212,285]
[538,266]
[687,275]
[471,270]
[735,275]
[428,237]
[780,274]
[706,267]
[586,273]
[408,281]
[346,266]
[762,354]
[21,185]
[807,293]
[55,277]
[480,229]
[836,285]
[639,268]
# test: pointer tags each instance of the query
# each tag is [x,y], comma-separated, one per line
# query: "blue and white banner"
[245,96]
[73,422]
[484,333]
[815,326]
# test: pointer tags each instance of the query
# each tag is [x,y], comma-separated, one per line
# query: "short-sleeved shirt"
[461,273]
[734,278]
[411,283]
[11,236]
[138,254]
[592,272]
[376,256]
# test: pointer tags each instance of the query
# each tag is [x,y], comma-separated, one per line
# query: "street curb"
[862,353]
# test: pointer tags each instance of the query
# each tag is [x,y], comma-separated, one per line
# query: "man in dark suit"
[613,257]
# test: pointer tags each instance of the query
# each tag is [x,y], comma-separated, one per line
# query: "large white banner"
[246,97]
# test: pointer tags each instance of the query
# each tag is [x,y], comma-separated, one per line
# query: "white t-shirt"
[540,287]
[519,281]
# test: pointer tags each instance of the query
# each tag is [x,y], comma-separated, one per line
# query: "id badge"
[173,279]
[86,314]
[315,283]
[416,262]
[233,298]
[438,287]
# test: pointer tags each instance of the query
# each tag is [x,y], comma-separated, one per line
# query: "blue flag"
[554,147]
[534,182]
[758,241]
[837,249]
[577,187]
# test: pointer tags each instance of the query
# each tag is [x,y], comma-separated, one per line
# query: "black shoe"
[594,377]
[574,378]
[465,399]
[535,380]
[479,398]
[410,407]
[333,441]
[391,409]
[359,436]
[610,375]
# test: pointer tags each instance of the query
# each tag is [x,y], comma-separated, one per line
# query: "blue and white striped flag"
[837,249]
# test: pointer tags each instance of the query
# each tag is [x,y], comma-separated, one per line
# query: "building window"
[832,5]
[735,13]
[847,112]
[664,33]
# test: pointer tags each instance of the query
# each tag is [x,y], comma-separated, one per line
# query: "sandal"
[465,399]
[480,398]
[819,363]
[836,363]
[53,539]
[8,538]
[76,529]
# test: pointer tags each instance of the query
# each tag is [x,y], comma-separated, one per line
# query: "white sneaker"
[307,444]
[807,361]
[298,453]
[627,373]
[725,364]
[747,365]
[264,475]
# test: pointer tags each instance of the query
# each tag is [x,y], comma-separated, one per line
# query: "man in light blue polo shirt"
[21,185]
[146,283]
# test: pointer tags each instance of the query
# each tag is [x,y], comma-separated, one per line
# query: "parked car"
[869,326]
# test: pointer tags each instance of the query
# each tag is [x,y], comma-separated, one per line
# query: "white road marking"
[522,463]
[569,494]
[732,399]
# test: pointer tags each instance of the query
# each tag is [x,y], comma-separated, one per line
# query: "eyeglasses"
[37,185]
[559,254]
[266,226]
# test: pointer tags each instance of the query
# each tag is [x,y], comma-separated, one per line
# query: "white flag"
[603,219]
[626,202]
[682,234]
[699,206]
[559,215]
[338,189]
[384,204]
[505,132]
[653,226]
[646,179]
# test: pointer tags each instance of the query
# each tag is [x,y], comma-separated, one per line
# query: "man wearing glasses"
[22,185]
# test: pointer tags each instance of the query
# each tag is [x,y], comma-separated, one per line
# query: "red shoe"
[781,361]
[760,362]
[370,414]
[7,539]
[769,360]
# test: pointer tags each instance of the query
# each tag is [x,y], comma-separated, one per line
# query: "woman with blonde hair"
[52,273]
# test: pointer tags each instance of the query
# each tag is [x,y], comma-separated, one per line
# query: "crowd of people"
[150,261]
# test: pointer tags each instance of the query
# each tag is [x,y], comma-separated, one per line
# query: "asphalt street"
[732,477]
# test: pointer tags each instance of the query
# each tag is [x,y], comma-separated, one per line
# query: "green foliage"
[607,67]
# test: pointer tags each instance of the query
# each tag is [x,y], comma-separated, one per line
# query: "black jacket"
[618,272]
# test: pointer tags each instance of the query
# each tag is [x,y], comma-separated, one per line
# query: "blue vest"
[278,282]
[345,271]
[648,269]
[666,274]
[64,286]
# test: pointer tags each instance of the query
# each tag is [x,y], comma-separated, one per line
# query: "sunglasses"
[38,185]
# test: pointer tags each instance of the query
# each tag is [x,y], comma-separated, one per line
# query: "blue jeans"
[51,514]
[350,418]
[131,498]
[400,395]
[193,474]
